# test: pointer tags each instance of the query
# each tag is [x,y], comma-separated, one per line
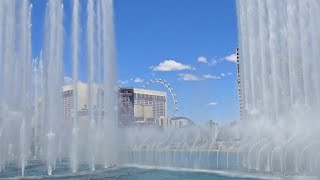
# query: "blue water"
[62,171]
[125,173]
[185,159]
[157,174]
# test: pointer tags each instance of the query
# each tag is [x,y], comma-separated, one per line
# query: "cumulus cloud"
[202,59]
[138,80]
[209,76]
[67,80]
[223,74]
[214,61]
[123,82]
[171,65]
[231,57]
[212,103]
[188,77]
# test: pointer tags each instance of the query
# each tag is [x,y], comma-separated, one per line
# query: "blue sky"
[185,42]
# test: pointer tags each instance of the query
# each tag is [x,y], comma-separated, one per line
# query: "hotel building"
[136,106]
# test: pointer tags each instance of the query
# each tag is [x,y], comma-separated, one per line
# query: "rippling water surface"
[63,171]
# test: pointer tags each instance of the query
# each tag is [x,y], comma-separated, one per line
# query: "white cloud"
[223,74]
[171,65]
[212,103]
[188,77]
[209,76]
[213,62]
[67,80]
[229,74]
[202,59]
[138,80]
[123,82]
[231,57]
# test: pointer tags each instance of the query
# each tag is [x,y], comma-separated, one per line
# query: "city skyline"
[192,46]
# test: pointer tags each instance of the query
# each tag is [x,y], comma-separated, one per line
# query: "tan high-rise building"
[150,106]
[241,105]
[83,101]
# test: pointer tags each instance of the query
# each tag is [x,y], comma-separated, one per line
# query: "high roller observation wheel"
[169,88]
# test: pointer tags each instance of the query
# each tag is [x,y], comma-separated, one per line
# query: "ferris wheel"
[169,88]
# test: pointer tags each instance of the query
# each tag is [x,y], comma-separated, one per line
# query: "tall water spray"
[32,123]
[279,45]
[15,79]
[75,57]
[53,58]
[110,84]
[91,68]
